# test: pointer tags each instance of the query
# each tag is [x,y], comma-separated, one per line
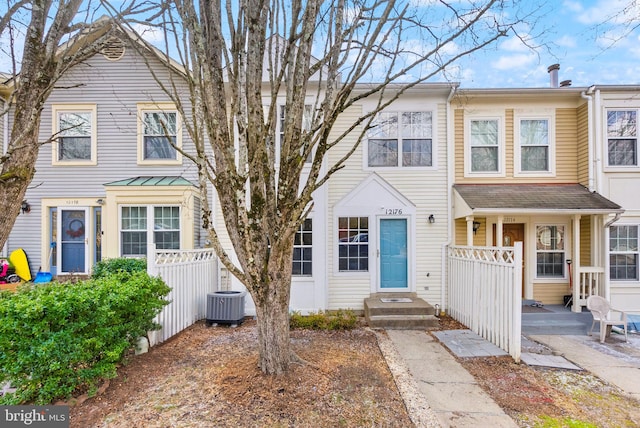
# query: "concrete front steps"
[407,312]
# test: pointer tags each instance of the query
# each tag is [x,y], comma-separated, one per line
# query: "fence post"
[516,303]
[152,268]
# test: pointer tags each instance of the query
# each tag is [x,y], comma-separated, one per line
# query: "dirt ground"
[208,376]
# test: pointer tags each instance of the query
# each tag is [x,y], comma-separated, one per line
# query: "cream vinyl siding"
[582,134]
[426,189]
[344,291]
[508,141]
[585,241]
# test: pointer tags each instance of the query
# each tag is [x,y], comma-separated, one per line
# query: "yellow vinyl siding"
[566,146]
[582,133]
[508,140]
[458,120]
[551,294]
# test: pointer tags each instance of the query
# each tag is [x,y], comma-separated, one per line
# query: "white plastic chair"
[603,313]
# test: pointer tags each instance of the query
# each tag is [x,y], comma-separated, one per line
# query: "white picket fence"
[485,293]
[191,274]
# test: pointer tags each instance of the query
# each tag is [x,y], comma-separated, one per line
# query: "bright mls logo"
[34,416]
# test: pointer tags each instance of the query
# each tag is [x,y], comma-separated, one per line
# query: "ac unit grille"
[225,307]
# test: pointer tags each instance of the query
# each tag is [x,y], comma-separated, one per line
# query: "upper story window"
[160,135]
[401,140]
[484,142]
[534,147]
[622,138]
[307,118]
[623,253]
[74,128]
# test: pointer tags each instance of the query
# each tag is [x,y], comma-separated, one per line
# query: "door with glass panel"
[72,246]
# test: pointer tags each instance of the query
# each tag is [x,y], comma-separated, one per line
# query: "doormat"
[527,309]
[396,300]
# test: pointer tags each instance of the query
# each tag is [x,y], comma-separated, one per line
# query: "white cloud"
[567,41]
[150,34]
[515,44]
[604,10]
[514,62]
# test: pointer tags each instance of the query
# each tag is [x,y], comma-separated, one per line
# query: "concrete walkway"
[617,368]
[452,394]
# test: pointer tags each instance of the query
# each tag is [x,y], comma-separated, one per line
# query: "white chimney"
[553,74]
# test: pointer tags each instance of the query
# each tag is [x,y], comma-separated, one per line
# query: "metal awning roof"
[491,199]
[152,181]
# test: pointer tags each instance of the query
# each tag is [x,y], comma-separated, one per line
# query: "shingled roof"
[534,197]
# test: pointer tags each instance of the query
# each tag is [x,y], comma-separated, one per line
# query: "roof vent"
[565,83]
[553,74]
[114,49]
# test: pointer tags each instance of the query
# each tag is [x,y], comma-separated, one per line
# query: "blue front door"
[393,253]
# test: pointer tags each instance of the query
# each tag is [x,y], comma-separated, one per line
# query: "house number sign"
[393,211]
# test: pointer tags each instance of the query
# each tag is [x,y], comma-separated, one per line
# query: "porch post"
[469,230]
[499,239]
[575,264]
[606,264]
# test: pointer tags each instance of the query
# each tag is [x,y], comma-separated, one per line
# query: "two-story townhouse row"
[616,169]
[111,184]
[523,170]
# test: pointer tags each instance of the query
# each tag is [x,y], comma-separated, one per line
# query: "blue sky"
[575,40]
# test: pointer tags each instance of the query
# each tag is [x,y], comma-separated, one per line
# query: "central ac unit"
[225,307]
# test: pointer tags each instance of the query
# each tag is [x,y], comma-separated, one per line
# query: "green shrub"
[329,320]
[59,339]
[120,264]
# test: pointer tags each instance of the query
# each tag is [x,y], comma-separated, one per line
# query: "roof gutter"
[613,220]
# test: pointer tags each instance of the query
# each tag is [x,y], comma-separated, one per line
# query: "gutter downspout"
[588,95]
[450,146]
[598,143]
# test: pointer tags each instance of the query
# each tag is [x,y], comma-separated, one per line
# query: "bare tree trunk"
[275,353]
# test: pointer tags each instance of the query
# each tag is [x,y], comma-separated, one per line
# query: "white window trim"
[605,141]
[499,116]
[150,225]
[517,158]
[303,276]
[567,253]
[623,282]
[399,167]
[74,108]
[155,107]
[336,244]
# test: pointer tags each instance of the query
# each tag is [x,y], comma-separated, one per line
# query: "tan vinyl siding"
[582,133]
[566,146]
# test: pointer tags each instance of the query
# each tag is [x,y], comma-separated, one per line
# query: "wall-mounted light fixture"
[431,219]
[25,207]
[100,201]
[476,226]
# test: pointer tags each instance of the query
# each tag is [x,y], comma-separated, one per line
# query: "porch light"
[25,207]
[431,219]
[476,226]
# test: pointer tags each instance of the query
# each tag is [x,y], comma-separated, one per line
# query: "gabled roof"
[152,181]
[531,198]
